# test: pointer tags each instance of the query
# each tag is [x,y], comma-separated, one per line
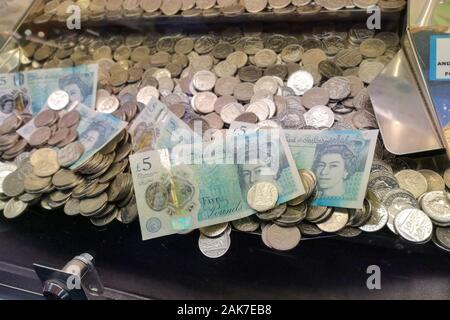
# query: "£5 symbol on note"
[341,161]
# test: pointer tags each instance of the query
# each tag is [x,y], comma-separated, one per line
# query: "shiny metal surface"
[435,93]
[423,13]
[402,115]
[19,282]
[427,18]
[419,12]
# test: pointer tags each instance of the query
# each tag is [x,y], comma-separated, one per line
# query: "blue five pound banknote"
[29,91]
[184,197]
[341,161]
[95,130]
[277,157]
[174,195]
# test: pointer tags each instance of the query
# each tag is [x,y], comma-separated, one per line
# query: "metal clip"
[78,280]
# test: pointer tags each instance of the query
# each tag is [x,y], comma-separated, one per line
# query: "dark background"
[174,268]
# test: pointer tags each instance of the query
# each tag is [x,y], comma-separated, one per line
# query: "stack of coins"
[412,217]
[101,189]
[252,78]
[12,144]
[125,109]
[308,80]
[98,10]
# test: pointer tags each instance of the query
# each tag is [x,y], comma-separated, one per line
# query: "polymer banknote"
[341,161]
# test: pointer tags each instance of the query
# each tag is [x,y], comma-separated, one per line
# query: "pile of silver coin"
[308,80]
[234,74]
[416,218]
[101,189]
[13,145]
[98,10]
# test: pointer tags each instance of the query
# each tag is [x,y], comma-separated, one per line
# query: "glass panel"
[429,13]
[12,14]
[430,34]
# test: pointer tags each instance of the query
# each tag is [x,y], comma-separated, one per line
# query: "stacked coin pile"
[282,226]
[12,144]
[125,109]
[101,189]
[296,81]
[54,129]
[420,194]
[300,81]
[97,10]
[253,79]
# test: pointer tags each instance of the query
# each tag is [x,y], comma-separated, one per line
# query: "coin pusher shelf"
[392,18]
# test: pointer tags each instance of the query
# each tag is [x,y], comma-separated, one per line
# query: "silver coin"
[315,97]
[292,119]
[442,238]
[283,239]
[378,219]
[336,222]
[146,94]
[248,224]
[262,196]
[14,208]
[264,229]
[413,225]
[413,181]
[436,205]
[370,70]
[309,229]
[300,81]
[395,201]
[399,195]
[382,180]
[107,105]
[58,100]
[214,247]
[379,165]
[272,213]
[434,180]
[319,117]
[204,80]
[349,232]
[214,230]
[5,169]
[338,88]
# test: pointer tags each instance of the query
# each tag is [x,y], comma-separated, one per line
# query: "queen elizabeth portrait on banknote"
[341,161]
[7,103]
[249,173]
[77,89]
[12,101]
[333,165]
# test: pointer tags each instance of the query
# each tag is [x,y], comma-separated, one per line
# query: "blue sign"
[440,58]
